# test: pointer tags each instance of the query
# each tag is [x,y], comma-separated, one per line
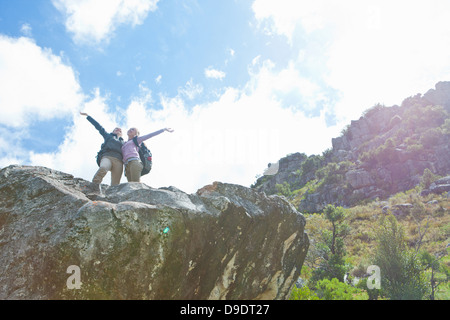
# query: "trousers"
[133,170]
[109,164]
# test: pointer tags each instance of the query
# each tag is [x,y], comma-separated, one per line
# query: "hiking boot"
[93,191]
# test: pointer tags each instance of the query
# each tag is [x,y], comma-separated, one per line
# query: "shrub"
[284,189]
[402,277]
[311,164]
[428,178]
[303,293]
[431,137]
[335,290]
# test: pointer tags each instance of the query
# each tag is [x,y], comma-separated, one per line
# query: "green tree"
[401,273]
[433,264]
[427,179]
[332,246]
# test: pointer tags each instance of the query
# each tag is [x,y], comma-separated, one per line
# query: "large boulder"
[61,238]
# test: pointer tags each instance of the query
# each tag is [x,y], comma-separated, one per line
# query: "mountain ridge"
[385,151]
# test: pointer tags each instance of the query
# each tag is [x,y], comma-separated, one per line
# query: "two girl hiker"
[116,152]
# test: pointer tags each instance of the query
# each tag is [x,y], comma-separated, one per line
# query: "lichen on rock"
[136,242]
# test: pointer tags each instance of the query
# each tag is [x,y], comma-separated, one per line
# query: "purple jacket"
[130,150]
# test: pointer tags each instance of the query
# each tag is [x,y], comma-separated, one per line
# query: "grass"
[428,219]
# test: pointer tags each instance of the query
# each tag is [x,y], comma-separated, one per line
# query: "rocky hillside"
[384,152]
[62,239]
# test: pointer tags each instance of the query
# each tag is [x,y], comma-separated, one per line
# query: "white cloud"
[284,16]
[26,29]
[373,51]
[231,54]
[94,21]
[392,56]
[35,84]
[212,73]
[190,90]
[76,155]
[360,48]
[307,95]
[231,139]
[10,149]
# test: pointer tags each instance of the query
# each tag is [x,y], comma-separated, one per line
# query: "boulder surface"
[63,238]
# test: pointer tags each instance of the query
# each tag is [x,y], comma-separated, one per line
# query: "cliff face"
[384,152]
[62,239]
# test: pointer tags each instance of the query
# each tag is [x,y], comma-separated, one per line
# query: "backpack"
[100,154]
[106,146]
[145,155]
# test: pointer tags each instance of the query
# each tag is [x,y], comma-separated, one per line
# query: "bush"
[383,154]
[402,277]
[303,293]
[431,137]
[329,290]
[335,290]
[284,189]
[311,164]
[373,294]
[427,179]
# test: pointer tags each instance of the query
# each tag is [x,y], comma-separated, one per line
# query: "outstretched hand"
[169,129]
[83,114]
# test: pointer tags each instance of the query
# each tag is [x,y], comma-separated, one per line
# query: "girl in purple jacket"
[130,152]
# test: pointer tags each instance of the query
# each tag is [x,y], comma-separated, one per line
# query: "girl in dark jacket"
[110,157]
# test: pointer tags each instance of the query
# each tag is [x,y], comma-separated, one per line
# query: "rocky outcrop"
[384,152]
[380,123]
[61,238]
[359,178]
[440,95]
[438,187]
[392,146]
[286,170]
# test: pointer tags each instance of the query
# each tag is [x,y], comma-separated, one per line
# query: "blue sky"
[242,82]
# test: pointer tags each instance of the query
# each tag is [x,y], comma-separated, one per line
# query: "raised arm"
[96,125]
[150,135]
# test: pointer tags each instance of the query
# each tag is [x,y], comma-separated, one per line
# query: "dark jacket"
[112,146]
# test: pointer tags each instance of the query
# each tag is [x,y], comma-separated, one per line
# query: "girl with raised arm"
[110,155]
[130,152]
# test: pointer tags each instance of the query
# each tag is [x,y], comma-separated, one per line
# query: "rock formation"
[384,152]
[286,171]
[438,187]
[60,238]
